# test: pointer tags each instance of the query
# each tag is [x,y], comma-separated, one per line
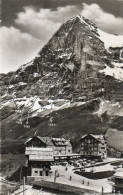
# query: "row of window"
[89,149]
[41,173]
[90,144]
[90,141]
[90,153]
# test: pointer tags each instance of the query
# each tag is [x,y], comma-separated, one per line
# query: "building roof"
[56,141]
[119,174]
[46,140]
[28,140]
[60,141]
[97,137]
[39,154]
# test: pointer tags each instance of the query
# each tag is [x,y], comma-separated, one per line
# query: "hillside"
[72,87]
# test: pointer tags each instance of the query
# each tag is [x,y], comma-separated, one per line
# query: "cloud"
[17,48]
[105,21]
[43,23]
[33,30]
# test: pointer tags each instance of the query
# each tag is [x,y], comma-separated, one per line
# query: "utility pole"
[20,172]
[23,185]
[102,190]
[55,176]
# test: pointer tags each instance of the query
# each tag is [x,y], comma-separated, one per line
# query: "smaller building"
[38,161]
[118,178]
[93,146]
[61,146]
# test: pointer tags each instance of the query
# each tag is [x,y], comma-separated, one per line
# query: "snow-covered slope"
[64,82]
[110,40]
[115,72]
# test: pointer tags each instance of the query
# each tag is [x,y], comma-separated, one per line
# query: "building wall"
[119,185]
[37,169]
[90,146]
[39,172]
[103,149]
[36,172]
[59,150]
[69,148]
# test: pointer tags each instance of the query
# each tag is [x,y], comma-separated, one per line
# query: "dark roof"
[56,141]
[97,137]
[46,140]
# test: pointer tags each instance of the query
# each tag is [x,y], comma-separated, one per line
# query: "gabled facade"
[60,146]
[93,145]
[38,161]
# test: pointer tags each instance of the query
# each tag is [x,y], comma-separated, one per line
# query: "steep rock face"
[74,68]
[117,54]
[71,61]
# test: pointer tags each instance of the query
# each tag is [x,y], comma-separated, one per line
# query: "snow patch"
[110,40]
[21,83]
[115,72]
[11,86]
[117,64]
[112,108]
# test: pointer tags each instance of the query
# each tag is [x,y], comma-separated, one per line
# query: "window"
[89,141]
[36,171]
[40,173]
[46,173]
[68,150]
[34,165]
[86,140]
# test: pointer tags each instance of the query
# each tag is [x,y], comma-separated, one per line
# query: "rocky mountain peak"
[75,60]
[77,75]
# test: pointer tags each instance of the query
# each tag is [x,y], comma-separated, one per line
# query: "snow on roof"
[40,157]
[56,141]
[119,173]
[28,140]
[60,141]
[39,154]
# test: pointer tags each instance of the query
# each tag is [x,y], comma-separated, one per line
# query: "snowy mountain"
[64,90]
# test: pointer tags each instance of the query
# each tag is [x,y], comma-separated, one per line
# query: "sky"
[28,24]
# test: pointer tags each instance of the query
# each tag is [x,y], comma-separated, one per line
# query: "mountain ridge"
[73,73]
